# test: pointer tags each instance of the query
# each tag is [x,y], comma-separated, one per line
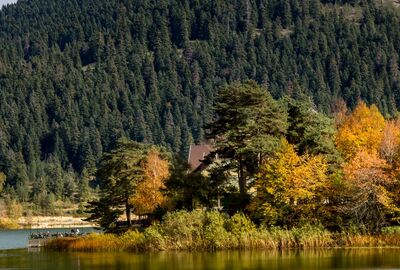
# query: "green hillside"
[76,75]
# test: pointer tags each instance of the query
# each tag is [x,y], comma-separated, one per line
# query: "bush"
[132,240]
[183,229]
[391,230]
[154,239]
[215,234]
[244,232]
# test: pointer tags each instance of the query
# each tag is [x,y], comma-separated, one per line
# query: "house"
[203,159]
[197,154]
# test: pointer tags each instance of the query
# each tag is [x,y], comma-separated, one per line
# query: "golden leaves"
[370,145]
[288,179]
[367,168]
[361,130]
[148,192]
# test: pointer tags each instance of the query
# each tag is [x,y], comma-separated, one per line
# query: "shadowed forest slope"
[76,75]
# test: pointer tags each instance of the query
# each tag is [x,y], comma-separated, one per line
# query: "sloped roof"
[197,153]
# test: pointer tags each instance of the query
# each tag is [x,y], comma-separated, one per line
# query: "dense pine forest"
[77,75]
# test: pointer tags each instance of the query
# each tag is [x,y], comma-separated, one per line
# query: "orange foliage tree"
[148,194]
[370,196]
[390,151]
[370,146]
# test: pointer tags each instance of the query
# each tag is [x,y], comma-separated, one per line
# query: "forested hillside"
[76,75]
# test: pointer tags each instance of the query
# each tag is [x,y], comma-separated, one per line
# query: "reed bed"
[129,241]
[389,237]
[199,230]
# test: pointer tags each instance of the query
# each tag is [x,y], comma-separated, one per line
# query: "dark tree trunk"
[128,212]
[242,178]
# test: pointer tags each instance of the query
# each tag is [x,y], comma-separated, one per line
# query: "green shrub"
[132,240]
[391,230]
[183,229]
[244,232]
[154,239]
[215,234]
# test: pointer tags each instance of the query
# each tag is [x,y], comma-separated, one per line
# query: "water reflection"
[249,260]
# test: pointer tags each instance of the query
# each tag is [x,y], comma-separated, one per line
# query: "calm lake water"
[14,255]
[13,239]
[234,260]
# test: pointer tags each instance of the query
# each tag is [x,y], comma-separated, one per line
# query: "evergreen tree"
[248,126]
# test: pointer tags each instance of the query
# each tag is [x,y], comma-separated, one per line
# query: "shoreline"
[90,245]
[322,248]
[138,242]
[212,231]
[45,222]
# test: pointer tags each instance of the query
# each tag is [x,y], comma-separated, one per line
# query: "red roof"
[197,153]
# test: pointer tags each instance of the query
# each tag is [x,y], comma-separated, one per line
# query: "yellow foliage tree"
[148,193]
[286,183]
[361,130]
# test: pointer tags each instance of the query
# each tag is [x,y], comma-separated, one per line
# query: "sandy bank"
[40,222]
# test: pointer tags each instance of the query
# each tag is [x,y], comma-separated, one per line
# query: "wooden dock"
[41,239]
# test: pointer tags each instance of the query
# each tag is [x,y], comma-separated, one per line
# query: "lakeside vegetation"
[300,178]
[279,161]
[212,230]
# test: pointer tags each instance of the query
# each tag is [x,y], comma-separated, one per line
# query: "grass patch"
[129,241]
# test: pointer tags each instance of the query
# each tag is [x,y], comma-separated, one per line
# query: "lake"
[13,239]
[14,255]
[230,260]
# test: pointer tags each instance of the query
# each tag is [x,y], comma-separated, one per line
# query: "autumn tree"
[339,111]
[361,130]
[370,146]
[370,197]
[148,192]
[390,151]
[130,176]
[389,147]
[288,187]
